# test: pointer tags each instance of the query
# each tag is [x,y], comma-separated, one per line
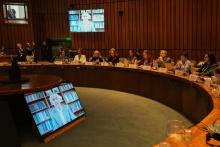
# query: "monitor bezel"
[16,20]
[54,132]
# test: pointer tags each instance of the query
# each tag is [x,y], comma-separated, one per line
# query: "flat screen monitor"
[15,13]
[87,20]
[54,108]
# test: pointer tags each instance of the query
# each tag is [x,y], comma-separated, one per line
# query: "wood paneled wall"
[175,25]
[192,25]
[10,34]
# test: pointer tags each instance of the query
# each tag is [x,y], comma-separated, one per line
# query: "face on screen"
[86,20]
[53,108]
[16,12]
[86,16]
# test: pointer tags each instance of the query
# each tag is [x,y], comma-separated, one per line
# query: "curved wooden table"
[13,107]
[193,100]
[35,83]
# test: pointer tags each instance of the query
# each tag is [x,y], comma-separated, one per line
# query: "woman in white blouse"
[80,58]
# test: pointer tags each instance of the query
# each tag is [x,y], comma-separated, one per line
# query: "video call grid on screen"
[54,108]
[87,20]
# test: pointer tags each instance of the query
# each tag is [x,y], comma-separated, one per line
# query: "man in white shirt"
[80,58]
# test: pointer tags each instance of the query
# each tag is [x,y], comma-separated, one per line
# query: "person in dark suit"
[45,52]
[96,58]
[163,59]
[11,13]
[21,52]
[29,49]
[113,57]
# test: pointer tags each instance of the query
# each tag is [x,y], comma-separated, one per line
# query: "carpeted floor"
[114,119]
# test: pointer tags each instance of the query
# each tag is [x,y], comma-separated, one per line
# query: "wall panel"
[175,25]
[13,33]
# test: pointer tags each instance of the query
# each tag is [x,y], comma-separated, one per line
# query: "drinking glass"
[175,129]
[164,144]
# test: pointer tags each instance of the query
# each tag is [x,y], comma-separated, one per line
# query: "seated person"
[146,60]
[20,52]
[61,53]
[2,52]
[210,64]
[29,52]
[184,64]
[28,49]
[163,59]
[96,57]
[113,57]
[79,58]
[138,55]
[132,58]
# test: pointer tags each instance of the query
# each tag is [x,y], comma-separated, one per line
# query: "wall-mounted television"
[87,20]
[15,13]
[54,108]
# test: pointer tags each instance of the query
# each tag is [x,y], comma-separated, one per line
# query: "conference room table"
[194,100]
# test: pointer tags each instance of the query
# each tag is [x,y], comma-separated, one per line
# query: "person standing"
[21,52]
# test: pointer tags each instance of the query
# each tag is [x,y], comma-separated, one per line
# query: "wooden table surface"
[35,83]
[194,100]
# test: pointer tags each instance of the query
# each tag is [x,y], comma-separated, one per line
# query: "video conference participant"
[97,58]
[113,56]
[60,113]
[184,64]
[11,13]
[146,59]
[79,58]
[86,25]
[163,59]
[210,64]
[132,59]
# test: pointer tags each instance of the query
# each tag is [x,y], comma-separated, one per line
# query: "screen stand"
[64,129]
